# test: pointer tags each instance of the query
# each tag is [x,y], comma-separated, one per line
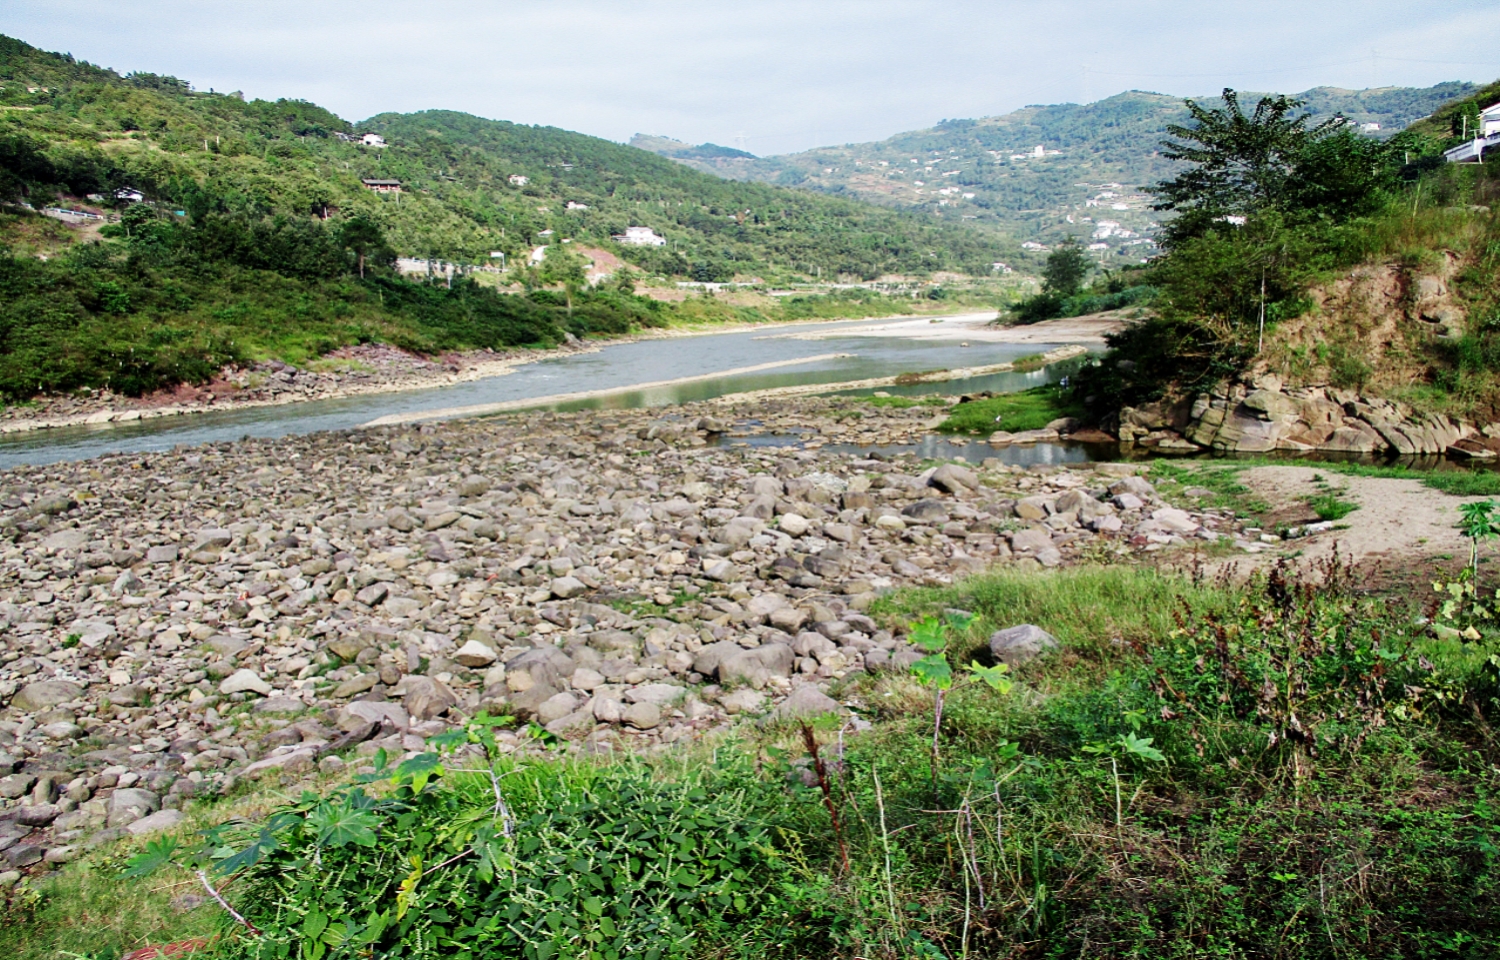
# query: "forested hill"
[1096,160]
[191,148]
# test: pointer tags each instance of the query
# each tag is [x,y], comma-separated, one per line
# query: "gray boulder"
[1017,645]
[807,701]
[757,666]
[45,694]
[129,804]
[951,478]
[427,698]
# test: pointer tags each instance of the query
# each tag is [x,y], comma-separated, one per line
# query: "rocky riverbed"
[176,623]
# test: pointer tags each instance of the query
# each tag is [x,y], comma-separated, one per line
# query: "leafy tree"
[1065,270]
[1239,164]
[362,236]
[22,165]
[562,265]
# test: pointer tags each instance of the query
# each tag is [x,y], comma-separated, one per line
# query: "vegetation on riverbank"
[1271,213]
[245,233]
[1279,769]
[1012,412]
[170,301]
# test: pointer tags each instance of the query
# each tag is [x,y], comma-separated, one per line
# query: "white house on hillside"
[641,237]
[372,140]
[1485,137]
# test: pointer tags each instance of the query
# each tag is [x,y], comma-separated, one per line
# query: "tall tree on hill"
[22,164]
[363,237]
[1065,270]
[562,265]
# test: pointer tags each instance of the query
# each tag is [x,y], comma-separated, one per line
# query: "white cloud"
[787,73]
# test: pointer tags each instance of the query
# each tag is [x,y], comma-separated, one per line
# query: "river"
[621,375]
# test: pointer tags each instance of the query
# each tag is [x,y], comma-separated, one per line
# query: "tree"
[362,236]
[1239,164]
[1065,270]
[22,165]
[562,265]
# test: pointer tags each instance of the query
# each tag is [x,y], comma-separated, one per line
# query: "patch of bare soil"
[1398,525]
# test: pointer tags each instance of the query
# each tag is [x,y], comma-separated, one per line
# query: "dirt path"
[1399,524]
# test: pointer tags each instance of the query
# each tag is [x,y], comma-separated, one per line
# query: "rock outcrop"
[1262,416]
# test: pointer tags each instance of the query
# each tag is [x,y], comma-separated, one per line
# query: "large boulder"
[129,804]
[45,694]
[951,478]
[1017,645]
[756,667]
[427,698]
[805,702]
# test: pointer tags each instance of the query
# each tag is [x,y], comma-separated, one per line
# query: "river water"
[621,368]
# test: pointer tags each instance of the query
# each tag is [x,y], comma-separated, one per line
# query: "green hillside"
[256,237]
[458,202]
[1097,159]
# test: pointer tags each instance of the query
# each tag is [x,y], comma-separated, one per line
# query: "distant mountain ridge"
[1096,160]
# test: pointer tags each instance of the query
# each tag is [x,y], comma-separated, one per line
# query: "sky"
[773,76]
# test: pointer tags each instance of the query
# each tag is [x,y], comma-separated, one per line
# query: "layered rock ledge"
[1262,415]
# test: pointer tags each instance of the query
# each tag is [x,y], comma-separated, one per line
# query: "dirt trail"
[1399,522]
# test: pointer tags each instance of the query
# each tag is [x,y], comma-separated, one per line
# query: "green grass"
[1013,412]
[85,910]
[1136,794]
[1222,477]
[1087,608]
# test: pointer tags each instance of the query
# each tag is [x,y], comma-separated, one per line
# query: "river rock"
[427,698]
[245,680]
[1017,645]
[805,702]
[45,694]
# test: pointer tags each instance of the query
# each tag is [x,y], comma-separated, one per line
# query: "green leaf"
[930,634]
[315,923]
[264,844]
[934,670]
[994,676]
[340,827]
[1141,747]
[419,770]
[158,854]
